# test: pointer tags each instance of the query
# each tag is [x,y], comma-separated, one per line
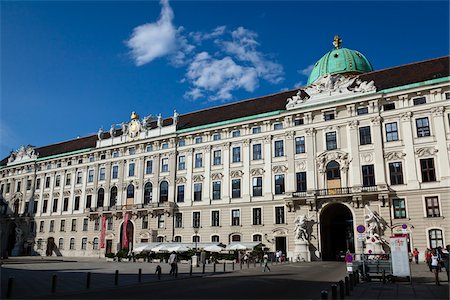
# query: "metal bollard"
[139,275]
[324,294]
[10,287]
[347,286]
[88,280]
[333,291]
[384,276]
[116,278]
[214,267]
[54,278]
[224,266]
[350,282]
[233,265]
[341,289]
[203,268]
[248,264]
[190,270]
[357,277]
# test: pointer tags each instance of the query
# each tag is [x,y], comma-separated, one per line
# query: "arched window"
[39,244]
[160,239]
[196,239]
[148,193]
[215,239]
[178,239]
[436,239]
[95,244]
[113,196]
[72,244]
[100,197]
[333,171]
[164,191]
[61,244]
[257,238]
[235,238]
[130,191]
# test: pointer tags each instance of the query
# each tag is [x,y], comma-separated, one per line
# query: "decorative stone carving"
[367,157]
[303,228]
[198,178]
[376,120]
[100,133]
[280,231]
[113,130]
[340,157]
[310,131]
[146,121]
[394,155]
[56,194]
[289,135]
[66,193]
[297,99]
[46,195]
[181,180]
[437,111]
[36,196]
[353,124]
[257,171]
[425,151]
[236,174]
[91,190]
[376,226]
[22,154]
[267,139]
[301,165]
[406,116]
[279,169]
[216,176]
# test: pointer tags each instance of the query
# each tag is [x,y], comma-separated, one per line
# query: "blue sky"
[69,68]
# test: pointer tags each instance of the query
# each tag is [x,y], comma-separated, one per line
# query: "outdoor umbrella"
[237,247]
[178,248]
[213,248]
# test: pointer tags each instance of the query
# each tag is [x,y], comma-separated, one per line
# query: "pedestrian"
[266,263]
[435,266]
[173,263]
[446,259]
[428,259]
[416,255]
[277,256]
[158,272]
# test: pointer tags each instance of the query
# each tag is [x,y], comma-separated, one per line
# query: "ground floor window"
[436,239]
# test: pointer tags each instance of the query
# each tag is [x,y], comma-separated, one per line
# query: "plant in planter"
[122,253]
[110,255]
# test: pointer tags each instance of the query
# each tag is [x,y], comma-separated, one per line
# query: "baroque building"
[354,141]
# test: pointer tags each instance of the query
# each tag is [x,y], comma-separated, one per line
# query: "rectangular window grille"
[235,217]
[391,132]
[257,186]
[215,218]
[365,136]
[331,140]
[427,169]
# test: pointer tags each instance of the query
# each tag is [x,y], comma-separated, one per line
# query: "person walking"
[435,266]
[173,263]
[416,255]
[428,258]
[266,263]
[446,258]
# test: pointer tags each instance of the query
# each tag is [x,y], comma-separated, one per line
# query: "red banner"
[102,237]
[125,233]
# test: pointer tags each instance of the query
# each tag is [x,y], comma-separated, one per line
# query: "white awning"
[242,246]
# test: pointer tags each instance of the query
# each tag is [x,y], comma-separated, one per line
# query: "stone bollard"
[233,265]
[324,294]
[341,289]
[10,287]
[357,277]
[384,276]
[54,278]
[347,286]
[139,275]
[116,278]
[333,291]
[214,267]
[88,280]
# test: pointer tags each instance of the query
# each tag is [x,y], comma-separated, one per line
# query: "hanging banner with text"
[400,256]
[102,236]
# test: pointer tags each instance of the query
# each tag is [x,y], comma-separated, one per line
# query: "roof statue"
[337,42]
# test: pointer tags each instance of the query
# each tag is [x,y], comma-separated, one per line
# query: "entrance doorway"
[108,246]
[11,238]
[336,231]
[130,235]
[280,244]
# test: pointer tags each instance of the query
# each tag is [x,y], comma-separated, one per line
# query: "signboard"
[404,228]
[348,258]
[361,229]
[400,256]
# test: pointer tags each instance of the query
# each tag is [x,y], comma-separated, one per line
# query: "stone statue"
[112,130]
[300,228]
[159,121]
[175,117]
[124,128]
[19,235]
[100,134]
[375,230]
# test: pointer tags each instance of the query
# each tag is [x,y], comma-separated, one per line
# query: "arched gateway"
[336,231]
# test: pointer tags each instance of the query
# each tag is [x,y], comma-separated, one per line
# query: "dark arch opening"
[336,231]
[100,197]
[148,193]
[113,196]
[164,191]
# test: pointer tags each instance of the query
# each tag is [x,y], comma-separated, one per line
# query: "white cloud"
[306,71]
[299,84]
[199,36]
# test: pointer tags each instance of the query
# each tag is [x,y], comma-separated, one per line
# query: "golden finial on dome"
[134,116]
[337,42]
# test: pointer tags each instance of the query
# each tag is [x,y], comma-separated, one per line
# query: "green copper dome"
[340,61]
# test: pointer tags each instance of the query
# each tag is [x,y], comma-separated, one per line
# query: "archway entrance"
[336,231]
[130,236]
[11,238]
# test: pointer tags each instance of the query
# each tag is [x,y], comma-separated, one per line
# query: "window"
[65,204]
[160,239]
[57,182]
[68,176]
[447,96]
[164,191]
[396,173]
[277,126]
[38,183]
[236,188]
[145,222]
[256,129]
[216,187]
[257,186]
[164,146]
[35,206]
[419,100]
[109,223]
[165,165]
[61,244]
[257,153]
[130,191]
[216,136]
[41,226]
[279,149]
[149,167]
[236,238]
[198,140]
[198,160]
[257,238]
[328,115]
[298,122]
[178,220]
[197,192]
[72,244]
[149,148]
[115,172]
[399,208]
[113,196]
[55,205]
[101,175]
[131,151]
[196,219]
[91,158]
[148,193]
[215,239]
[196,239]
[257,216]
[389,106]
[88,201]
[74,225]
[8,187]
[436,238]
[180,193]
[236,133]
[235,217]
[432,206]
[217,157]
[76,205]
[52,226]
[28,184]
[115,154]
[331,140]
[181,142]
[85,224]
[362,111]
[79,177]
[423,127]
[131,169]
[83,243]
[279,184]
[182,162]
[301,181]
[215,218]
[279,215]
[177,239]
[300,145]
[96,224]
[391,132]
[368,174]
[427,170]
[364,135]
[44,206]
[236,154]
[90,175]
[47,183]
[102,157]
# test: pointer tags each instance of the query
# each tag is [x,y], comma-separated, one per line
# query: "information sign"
[400,256]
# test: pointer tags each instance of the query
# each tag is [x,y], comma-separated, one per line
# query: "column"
[410,168]
[443,160]
[311,152]
[267,156]
[380,178]
[246,180]
[354,172]
[290,155]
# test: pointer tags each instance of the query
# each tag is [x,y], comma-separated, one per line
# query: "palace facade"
[352,140]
